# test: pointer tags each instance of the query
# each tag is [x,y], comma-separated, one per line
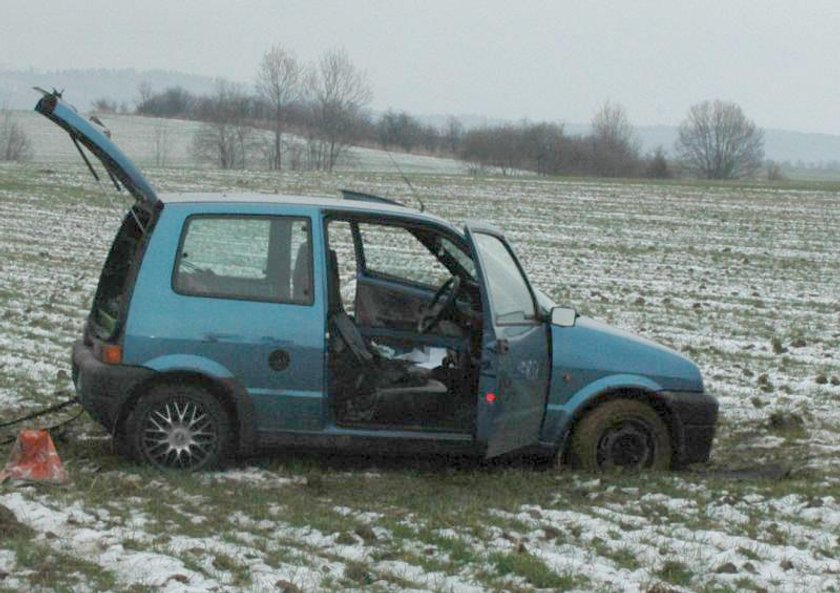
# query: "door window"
[509,293]
[393,251]
[242,257]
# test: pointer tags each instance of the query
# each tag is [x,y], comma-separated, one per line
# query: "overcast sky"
[541,60]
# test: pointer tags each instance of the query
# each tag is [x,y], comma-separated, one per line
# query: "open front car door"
[514,376]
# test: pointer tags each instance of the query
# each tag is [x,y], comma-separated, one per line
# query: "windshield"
[449,250]
[510,296]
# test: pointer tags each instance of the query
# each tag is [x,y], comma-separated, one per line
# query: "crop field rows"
[742,279]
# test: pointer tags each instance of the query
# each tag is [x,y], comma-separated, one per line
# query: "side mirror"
[563,316]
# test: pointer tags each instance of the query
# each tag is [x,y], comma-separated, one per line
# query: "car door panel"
[514,372]
[276,349]
[380,303]
[518,383]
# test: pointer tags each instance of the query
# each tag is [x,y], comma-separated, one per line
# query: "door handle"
[502,346]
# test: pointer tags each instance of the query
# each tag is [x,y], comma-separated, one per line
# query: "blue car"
[227,323]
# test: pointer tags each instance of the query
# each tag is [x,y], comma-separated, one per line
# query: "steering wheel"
[442,301]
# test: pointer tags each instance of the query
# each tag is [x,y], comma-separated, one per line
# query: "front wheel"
[179,427]
[621,434]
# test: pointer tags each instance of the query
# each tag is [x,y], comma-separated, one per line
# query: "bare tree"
[172,102]
[144,89]
[542,146]
[160,137]
[105,105]
[279,83]
[339,92]
[615,146]
[657,165]
[774,171]
[398,129]
[500,147]
[225,138]
[454,133]
[14,143]
[717,141]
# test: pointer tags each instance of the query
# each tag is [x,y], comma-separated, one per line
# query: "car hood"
[591,350]
[83,132]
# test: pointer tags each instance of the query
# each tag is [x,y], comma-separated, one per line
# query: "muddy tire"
[179,427]
[621,434]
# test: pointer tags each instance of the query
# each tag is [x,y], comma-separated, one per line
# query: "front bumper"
[103,388]
[695,417]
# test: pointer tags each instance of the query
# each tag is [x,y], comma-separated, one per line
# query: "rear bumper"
[695,417]
[103,388]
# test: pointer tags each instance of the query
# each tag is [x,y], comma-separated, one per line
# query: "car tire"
[621,434]
[179,427]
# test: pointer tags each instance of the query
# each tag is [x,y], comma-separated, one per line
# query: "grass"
[240,574]
[59,571]
[675,572]
[638,254]
[534,571]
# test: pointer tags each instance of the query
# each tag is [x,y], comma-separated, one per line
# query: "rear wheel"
[179,427]
[621,434]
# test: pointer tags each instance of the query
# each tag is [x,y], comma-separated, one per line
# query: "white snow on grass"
[718,273]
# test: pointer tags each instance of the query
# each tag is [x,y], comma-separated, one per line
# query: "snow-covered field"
[146,140]
[743,279]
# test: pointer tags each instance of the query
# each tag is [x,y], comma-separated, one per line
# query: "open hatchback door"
[118,166]
[514,377]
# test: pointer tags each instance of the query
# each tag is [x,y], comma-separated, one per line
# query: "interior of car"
[405,322]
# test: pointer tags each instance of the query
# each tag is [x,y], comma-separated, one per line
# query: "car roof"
[354,206]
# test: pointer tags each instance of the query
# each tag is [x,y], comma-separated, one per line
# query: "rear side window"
[266,258]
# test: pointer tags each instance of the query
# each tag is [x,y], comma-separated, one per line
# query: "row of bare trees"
[325,100]
[612,149]
[716,141]
[315,112]
[402,131]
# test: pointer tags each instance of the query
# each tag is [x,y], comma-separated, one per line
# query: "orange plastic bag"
[34,458]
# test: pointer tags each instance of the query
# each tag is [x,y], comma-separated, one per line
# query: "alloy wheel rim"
[179,433]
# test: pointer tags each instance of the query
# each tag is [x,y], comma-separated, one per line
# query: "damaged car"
[228,323]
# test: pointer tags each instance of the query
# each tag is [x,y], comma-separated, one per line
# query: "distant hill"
[83,87]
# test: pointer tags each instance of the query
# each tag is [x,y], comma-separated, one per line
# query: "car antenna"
[407,182]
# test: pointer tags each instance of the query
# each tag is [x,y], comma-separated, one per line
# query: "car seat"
[365,381]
